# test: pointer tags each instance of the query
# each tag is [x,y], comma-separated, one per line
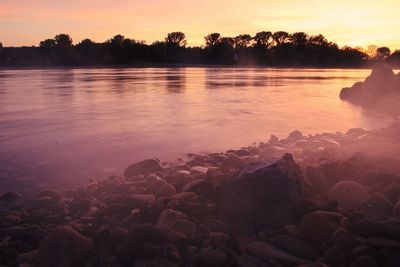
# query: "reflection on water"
[62,126]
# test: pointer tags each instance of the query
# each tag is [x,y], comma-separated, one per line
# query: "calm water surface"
[60,127]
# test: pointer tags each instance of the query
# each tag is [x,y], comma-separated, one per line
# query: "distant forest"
[265,49]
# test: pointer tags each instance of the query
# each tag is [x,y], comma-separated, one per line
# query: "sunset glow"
[355,23]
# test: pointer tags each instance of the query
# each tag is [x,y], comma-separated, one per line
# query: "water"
[60,127]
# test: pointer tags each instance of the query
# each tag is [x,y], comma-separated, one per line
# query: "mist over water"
[59,127]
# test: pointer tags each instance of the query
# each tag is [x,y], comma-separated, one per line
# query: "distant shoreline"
[173,65]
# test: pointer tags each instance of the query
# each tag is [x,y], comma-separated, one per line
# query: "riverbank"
[328,199]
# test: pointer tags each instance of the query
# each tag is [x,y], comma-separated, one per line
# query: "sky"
[346,22]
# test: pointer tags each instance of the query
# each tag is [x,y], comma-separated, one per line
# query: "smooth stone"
[316,226]
[10,197]
[267,252]
[295,135]
[28,257]
[349,193]
[231,162]
[364,261]
[246,260]
[133,246]
[296,247]
[272,152]
[55,196]
[378,242]
[64,247]
[198,170]
[212,257]
[168,218]
[392,192]
[144,167]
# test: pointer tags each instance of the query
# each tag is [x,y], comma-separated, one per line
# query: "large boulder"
[261,195]
[144,167]
[64,247]
[380,90]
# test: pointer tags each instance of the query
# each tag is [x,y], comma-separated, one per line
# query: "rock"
[168,218]
[362,251]
[295,135]
[161,263]
[316,226]
[273,139]
[342,239]
[246,260]
[200,187]
[211,257]
[28,257]
[356,131]
[160,187]
[198,170]
[268,252]
[10,197]
[296,247]
[392,192]
[219,239]
[316,179]
[179,179]
[64,247]
[396,210]
[349,193]
[369,227]
[378,242]
[272,152]
[231,162]
[364,261]
[144,167]
[249,202]
[134,244]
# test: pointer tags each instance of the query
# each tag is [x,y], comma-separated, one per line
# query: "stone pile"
[318,200]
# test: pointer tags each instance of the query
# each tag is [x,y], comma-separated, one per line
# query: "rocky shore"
[321,200]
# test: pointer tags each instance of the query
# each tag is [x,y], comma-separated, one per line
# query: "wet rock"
[364,261]
[316,226]
[246,260]
[219,239]
[161,263]
[179,179]
[396,210]
[296,247]
[211,257]
[268,252]
[200,187]
[368,227]
[28,257]
[10,197]
[335,257]
[295,135]
[160,187]
[378,242]
[342,239]
[168,218]
[316,179]
[134,244]
[231,162]
[272,152]
[273,139]
[362,251]
[144,167]
[392,192]
[64,247]
[349,193]
[198,170]
[249,202]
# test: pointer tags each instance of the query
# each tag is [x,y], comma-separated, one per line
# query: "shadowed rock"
[64,247]
[261,196]
[144,167]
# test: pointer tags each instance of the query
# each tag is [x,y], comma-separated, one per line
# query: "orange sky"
[355,22]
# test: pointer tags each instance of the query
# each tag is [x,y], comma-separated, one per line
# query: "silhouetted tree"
[63,40]
[212,39]
[299,38]
[117,41]
[48,43]
[382,53]
[176,38]
[280,37]
[263,39]
[242,40]
[318,40]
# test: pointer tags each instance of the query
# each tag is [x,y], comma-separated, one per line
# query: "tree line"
[264,48]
